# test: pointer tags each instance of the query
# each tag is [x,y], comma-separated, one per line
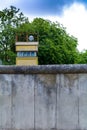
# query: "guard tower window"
[26,54]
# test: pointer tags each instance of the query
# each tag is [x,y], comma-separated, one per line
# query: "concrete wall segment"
[46,99]
[44,69]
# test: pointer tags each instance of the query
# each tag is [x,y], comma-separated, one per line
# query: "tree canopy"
[55,44]
[10,19]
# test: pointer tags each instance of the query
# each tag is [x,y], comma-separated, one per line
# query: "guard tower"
[26,48]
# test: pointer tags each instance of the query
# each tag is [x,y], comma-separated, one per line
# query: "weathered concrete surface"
[83,101]
[5,101]
[44,69]
[43,101]
[67,101]
[23,102]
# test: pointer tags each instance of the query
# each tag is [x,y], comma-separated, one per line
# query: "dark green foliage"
[82,58]
[55,45]
[10,20]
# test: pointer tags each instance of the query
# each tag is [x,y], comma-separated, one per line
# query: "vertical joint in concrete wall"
[78,102]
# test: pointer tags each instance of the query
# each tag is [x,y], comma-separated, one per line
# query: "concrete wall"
[43,97]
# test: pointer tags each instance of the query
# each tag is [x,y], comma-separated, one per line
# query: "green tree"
[55,44]
[10,20]
[82,58]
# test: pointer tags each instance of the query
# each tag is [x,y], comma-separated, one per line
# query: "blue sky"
[45,7]
[71,13]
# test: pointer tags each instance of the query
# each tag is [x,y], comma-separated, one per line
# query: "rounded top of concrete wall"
[44,69]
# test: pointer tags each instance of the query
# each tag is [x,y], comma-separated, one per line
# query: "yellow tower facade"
[26,48]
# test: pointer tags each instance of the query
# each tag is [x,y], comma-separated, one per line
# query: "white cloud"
[75,19]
